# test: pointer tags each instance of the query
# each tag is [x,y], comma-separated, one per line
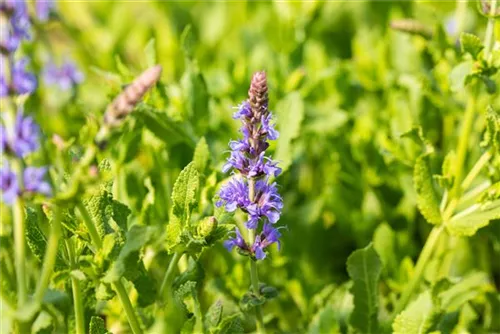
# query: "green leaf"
[128,259]
[471,44]
[213,315]
[97,326]
[201,155]
[491,137]
[174,233]
[108,214]
[364,268]
[290,113]
[34,236]
[417,317]
[468,224]
[324,321]
[150,51]
[196,97]
[187,41]
[230,325]
[464,290]
[460,75]
[184,193]
[427,199]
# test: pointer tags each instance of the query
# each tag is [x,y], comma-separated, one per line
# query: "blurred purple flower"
[23,82]
[26,136]
[8,185]
[65,76]
[34,181]
[44,8]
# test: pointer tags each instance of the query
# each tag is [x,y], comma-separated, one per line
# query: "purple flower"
[3,139]
[268,128]
[237,241]
[65,76]
[23,82]
[26,136]
[269,236]
[244,111]
[234,194]
[268,203]
[4,88]
[34,181]
[8,185]
[44,8]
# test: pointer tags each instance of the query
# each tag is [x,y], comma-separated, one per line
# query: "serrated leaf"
[201,155]
[290,113]
[427,199]
[230,325]
[491,137]
[471,44]
[364,268]
[184,193]
[34,236]
[417,317]
[108,214]
[467,225]
[173,234]
[213,315]
[97,326]
[127,260]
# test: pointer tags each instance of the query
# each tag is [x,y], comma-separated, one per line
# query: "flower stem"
[170,270]
[460,16]
[489,37]
[483,160]
[423,259]
[20,251]
[118,285]
[50,256]
[254,276]
[75,287]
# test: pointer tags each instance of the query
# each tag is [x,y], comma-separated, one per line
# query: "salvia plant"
[359,191]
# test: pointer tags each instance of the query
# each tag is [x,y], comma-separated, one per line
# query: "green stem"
[254,276]
[127,306]
[423,259]
[489,37]
[118,285]
[75,287]
[20,251]
[50,256]
[460,15]
[170,270]
[483,160]
[94,235]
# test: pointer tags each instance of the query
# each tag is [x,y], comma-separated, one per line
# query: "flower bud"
[207,226]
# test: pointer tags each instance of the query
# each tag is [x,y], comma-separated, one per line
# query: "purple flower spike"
[65,76]
[44,8]
[34,181]
[234,194]
[23,82]
[269,236]
[8,185]
[26,136]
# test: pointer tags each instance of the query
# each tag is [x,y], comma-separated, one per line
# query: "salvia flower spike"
[250,190]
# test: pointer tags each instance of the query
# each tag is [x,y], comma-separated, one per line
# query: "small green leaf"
[150,51]
[290,113]
[468,224]
[471,44]
[201,155]
[184,193]
[97,326]
[173,234]
[324,321]
[463,291]
[213,315]
[78,274]
[196,97]
[427,199]
[34,236]
[187,41]
[417,317]
[459,75]
[230,325]
[364,268]
[491,137]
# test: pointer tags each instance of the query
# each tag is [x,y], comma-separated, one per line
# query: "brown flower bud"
[258,95]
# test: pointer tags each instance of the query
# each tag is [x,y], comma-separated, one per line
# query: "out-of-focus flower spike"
[124,103]
[413,27]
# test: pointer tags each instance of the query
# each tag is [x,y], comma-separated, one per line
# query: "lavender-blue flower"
[269,236]
[43,8]
[26,136]
[34,181]
[23,82]
[65,76]
[8,185]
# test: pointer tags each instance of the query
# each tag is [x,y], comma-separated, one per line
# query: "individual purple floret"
[18,27]
[26,137]
[269,236]
[251,191]
[65,76]
[237,241]
[8,185]
[34,181]
[4,88]
[44,8]
[23,82]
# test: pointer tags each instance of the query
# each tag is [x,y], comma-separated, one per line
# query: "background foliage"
[357,103]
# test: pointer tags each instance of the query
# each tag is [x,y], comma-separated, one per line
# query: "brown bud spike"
[124,103]
[257,94]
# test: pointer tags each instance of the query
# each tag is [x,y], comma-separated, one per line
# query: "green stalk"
[489,37]
[423,259]
[254,276]
[118,285]
[20,238]
[170,270]
[460,15]
[483,160]
[75,287]
[50,256]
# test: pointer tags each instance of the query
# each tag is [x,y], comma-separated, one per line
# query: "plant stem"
[75,287]
[460,16]
[423,259]
[254,276]
[170,270]
[475,170]
[489,36]
[20,251]
[94,235]
[118,285]
[127,306]
[50,256]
